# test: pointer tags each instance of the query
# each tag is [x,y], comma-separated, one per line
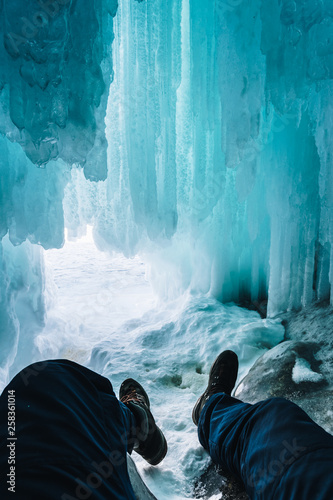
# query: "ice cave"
[166,192]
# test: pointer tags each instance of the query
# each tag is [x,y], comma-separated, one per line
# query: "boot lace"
[133,397]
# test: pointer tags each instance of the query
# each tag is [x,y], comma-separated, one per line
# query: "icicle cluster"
[220,147]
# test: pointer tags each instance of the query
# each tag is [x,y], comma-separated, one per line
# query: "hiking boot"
[222,378]
[150,441]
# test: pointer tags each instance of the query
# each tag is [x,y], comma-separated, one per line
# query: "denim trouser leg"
[71,435]
[269,446]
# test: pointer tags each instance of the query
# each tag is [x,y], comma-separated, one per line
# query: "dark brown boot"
[151,443]
[222,378]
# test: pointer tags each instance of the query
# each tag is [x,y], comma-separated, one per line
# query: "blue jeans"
[72,436]
[273,447]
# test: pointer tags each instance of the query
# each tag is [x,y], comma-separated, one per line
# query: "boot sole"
[156,459]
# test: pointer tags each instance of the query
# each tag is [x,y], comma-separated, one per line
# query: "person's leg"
[72,434]
[268,446]
[265,445]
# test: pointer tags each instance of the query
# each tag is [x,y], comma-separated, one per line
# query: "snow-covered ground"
[102,312]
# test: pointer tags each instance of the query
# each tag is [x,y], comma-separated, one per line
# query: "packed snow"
[302,372]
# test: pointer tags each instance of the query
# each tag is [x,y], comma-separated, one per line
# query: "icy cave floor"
[103,313]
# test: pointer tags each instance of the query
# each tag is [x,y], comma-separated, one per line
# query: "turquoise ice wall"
[220,147]
[215,159]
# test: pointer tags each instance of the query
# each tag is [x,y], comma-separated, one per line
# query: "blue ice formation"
[55,68]
[55,73]
[219,142]
[220,147]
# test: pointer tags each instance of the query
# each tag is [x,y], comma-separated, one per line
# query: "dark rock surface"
[214,481]
[141,490]
[272,374]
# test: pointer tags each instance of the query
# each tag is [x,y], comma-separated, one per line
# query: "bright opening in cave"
[90,294]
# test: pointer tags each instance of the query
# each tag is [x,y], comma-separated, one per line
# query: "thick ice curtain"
[219,147]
